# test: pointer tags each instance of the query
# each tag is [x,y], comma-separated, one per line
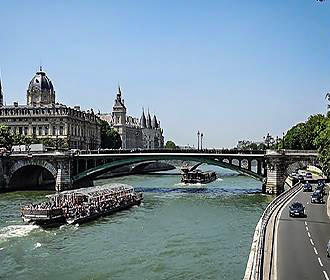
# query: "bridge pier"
[275,178]
[63,178]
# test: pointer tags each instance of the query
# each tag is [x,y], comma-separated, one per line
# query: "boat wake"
[13,231]
[187,185]
[37,245]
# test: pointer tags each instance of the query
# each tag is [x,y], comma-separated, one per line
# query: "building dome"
[41,90]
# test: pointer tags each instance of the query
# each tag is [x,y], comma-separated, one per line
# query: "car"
[317,197]
[321,182]
[294,174]
[297,209]
[321,189]
[308,175]
[300,177]
[307,187]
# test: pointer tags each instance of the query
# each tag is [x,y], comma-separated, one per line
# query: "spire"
[154,122]
[143,121]
[149,120]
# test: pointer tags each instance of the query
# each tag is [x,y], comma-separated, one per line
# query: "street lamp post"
[198,139]
[269,140]
[202,141]
[283,141]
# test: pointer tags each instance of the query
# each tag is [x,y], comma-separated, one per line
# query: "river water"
[179,232]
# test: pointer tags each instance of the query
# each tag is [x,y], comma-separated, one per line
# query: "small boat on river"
[81,205]
[197,176]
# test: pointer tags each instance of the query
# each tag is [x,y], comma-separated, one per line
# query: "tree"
[110,138]
[322,141]
[170,145]
[293,138]
[6,139]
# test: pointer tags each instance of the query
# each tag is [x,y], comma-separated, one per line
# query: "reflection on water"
[179,232]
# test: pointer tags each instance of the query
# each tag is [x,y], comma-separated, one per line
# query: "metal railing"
[278,201]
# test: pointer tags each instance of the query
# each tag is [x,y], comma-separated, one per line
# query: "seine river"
[179,232]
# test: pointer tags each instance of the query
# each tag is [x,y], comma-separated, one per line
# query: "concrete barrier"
[255,266]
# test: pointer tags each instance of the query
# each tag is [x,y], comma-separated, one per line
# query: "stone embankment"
[261,254]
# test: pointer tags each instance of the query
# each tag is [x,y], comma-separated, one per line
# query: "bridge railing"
[186,151]
[258,266]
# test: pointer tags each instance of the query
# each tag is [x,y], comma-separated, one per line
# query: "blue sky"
[231,69]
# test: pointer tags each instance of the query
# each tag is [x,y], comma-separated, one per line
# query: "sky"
[234,70]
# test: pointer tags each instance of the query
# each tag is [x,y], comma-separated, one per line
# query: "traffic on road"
[303,233]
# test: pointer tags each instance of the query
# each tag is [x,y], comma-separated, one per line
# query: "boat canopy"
[98,190]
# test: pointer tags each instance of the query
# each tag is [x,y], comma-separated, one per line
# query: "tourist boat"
[197,176]
[81,205]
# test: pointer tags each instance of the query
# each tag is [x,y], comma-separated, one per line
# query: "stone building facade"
[143,133]
[42,118]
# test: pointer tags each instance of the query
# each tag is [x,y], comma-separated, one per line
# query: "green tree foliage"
[314,134]
[170,145]
[302,136]
[6,139]
[110,139]
[322,141]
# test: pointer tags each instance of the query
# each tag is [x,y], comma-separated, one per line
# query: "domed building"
[43,118]
[143,133]
[41,90]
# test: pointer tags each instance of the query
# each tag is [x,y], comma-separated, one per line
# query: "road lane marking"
[305,223]
[325,275]
[321,264]
[315,251]
[309,235]
[275,263]
[307,228]
[311,240]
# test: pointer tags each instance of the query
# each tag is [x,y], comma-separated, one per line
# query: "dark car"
[307,187]
[297,210]
[308,175]
[300,177]
[321,183]
[321,189]
[317,197]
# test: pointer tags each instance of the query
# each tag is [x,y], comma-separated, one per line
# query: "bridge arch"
[28,175]
[217,161]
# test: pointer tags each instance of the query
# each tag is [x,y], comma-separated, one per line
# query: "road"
[301,242]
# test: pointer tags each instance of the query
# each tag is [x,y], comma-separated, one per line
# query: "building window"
[40,130]
[61,130]
[54,130]
[26,130]
[46,130]
[34,129]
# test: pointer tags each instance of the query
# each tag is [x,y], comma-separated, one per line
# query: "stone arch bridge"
[70,170]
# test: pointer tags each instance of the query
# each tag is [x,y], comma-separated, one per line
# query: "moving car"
[307,187]
[317,197]
[321,189]
[296,209]
[300,177]
[321,182]
[309,175]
